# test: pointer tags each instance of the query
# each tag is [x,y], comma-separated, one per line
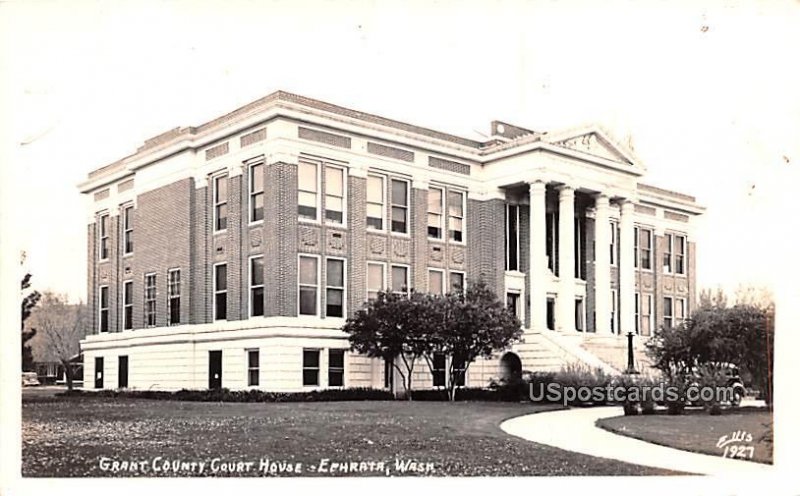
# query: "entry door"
[98,372]
[215,369]
[123,372]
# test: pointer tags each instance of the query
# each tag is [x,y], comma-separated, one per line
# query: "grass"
[67,437]
[698,431]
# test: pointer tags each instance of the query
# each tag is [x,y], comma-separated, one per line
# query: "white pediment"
[594,143]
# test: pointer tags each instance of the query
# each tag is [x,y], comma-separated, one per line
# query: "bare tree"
[62,327]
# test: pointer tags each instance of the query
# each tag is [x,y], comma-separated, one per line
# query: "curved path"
[575,430]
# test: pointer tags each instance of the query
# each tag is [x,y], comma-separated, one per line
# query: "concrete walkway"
[575,430]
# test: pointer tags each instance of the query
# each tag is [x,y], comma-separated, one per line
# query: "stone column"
[565,303]
[626,273]
[538,257]
[602,265]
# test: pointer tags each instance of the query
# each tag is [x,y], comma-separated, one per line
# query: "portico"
[562,253]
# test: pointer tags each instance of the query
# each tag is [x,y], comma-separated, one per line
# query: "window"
[335,368]
[400,279]
[220,292]
[310,367]
[646,248]
[127,229]
[127,305]
[579,250]
[334,289]
[150,300]
[122,372]
[636,236]
[668,239]
[551,314]
[221,203]
[435,212]
[308,285]
[334,195]
[579,324]
[399,206]
[174,296]
[459,371]
[613,245]
[667,312]
[103,308]
[388,374]
[252,367]
[613,312]
[680,254]
[98,372]
[435,281]
[257,286]
[647,315]
[307,187]
[637,312]
[456,282]
[256,192]
[551,236]
[103,233]
[512,237]
[439,369]
[376,279]
[680,311]
[375,202]
[512,302]
[455,210]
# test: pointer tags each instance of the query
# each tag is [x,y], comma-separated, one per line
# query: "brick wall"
[162,241]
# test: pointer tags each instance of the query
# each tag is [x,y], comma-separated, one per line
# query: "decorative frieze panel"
[253,138]
[448,165]
[436,253]
[457,256]
[676,216]
[323,137]
[220,246]
[256,238]
[335,241]
[376,246]
[647,281]
[125,185]
[309,238]
[101,195]
[401,248]
[217,151]
[390,151]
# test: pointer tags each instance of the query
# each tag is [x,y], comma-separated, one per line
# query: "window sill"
[308,221]
[255,223]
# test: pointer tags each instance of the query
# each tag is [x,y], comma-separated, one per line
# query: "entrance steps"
[551,350]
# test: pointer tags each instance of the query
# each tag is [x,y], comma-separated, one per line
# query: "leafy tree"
[472,324]
[742,334]
[715,298]
[29,301]
[62,327]
[396,328]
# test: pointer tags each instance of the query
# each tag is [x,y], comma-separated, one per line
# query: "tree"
[62,327]
[29,301]
[715,298]
[396,328]
[742,334]
[474,323]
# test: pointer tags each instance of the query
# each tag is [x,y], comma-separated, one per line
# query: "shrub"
[246,396]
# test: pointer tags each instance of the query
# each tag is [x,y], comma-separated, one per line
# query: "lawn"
[698,431]
[70,437]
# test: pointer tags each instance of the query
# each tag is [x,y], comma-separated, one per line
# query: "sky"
[705,93]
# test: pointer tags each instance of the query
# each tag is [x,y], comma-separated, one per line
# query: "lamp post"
[631,369]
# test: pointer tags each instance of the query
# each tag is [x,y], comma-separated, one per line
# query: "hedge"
[244,396]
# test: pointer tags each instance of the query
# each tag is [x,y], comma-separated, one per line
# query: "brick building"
[230,254]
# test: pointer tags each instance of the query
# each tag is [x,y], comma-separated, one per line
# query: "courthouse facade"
[230,254]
